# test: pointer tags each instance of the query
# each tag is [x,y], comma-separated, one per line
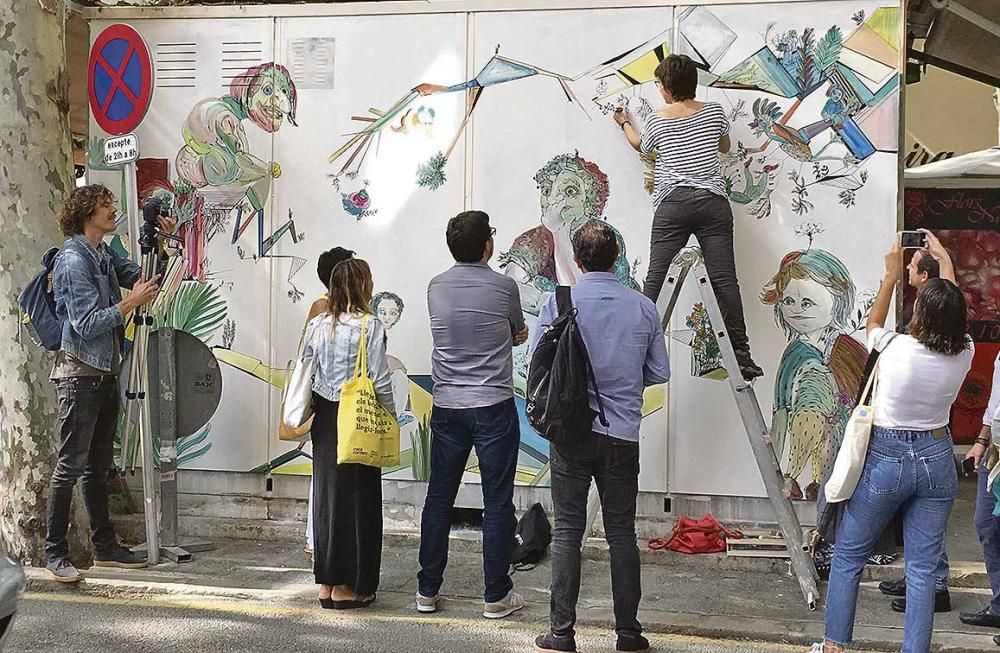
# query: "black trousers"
[347,511]
[614,465]
[88,415]
[686,211]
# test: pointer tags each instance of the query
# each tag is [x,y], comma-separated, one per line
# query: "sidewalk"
[691,595]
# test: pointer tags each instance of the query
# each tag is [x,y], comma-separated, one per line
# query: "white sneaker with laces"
[505,607]
[817,648]
[427,604]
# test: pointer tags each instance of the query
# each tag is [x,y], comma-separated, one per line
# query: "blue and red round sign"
[120,79]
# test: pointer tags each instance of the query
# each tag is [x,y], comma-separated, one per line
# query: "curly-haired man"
[86,282]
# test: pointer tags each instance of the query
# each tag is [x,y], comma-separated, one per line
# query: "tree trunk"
[35,177]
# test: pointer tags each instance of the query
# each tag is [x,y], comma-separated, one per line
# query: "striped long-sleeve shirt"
[687,150]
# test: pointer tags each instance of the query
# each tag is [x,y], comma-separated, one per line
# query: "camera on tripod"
[152,211]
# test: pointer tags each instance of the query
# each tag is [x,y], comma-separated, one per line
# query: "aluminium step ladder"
[689,262]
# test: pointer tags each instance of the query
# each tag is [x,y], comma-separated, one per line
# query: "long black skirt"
[347,511]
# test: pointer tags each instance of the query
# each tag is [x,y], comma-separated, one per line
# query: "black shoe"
[942,602]
[632,644]
[984,619]
[549,643]
[748,369]
[893,587]
[121,558]
[996,640]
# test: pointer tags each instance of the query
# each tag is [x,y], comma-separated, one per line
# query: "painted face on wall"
[388,313]
[564,202]
[806,306]
[271,102]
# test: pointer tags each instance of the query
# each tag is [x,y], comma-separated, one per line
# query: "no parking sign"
[120,81]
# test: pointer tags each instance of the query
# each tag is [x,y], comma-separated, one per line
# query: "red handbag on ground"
[705,535]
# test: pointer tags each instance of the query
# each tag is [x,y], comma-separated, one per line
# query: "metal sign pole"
[132,210]
[168,436]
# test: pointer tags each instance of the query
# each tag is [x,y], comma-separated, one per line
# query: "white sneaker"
[817,648]
[505,607]
[427,605]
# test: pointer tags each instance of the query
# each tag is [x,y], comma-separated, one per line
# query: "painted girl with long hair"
[813,297]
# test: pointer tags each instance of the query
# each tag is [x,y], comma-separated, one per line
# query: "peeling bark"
[35,177]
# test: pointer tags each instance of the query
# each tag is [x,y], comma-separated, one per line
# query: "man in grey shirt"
[476,319]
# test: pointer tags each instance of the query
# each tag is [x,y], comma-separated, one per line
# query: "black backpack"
[531,539]
[558,378]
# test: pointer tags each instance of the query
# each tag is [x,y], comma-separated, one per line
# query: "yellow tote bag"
[367,433]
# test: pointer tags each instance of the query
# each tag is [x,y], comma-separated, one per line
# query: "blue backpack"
[38,305]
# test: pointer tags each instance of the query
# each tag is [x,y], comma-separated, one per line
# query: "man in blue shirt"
[625,341]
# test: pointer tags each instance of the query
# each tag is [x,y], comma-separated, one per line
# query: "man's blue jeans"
[909,470]
[988,528]
[495,433]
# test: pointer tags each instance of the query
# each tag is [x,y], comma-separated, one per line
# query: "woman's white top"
[916,386]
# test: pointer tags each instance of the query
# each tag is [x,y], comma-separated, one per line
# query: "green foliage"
[193,446]
[431,174]
[828,50]
[198,309]
[421,446]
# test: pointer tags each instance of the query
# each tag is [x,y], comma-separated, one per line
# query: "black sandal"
[353,604]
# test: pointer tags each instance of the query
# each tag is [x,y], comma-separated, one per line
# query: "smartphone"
[912,240]
[969,466]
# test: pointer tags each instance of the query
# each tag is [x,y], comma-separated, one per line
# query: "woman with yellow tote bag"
[347,498]
[368,433]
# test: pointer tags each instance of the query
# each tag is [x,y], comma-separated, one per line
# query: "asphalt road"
[50,623]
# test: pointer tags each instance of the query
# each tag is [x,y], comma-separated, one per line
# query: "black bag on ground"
[531,539]
[558,379]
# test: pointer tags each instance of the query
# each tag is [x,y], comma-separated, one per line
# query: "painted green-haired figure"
[216,150]
[813,296]
[572,191]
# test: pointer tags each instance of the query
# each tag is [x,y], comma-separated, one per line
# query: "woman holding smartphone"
[910,466]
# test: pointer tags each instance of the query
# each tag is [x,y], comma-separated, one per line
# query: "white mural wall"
[278,139]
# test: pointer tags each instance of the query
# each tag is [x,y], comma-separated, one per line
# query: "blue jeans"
[941,573]
[988,528]
[495,433]
[909,470]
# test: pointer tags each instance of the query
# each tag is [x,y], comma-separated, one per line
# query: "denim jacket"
[336,351]
[87,284]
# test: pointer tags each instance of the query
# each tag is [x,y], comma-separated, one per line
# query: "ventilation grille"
[311,61]
[176,65]
[238,57]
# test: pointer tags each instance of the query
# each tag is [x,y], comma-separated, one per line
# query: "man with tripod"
[86,283]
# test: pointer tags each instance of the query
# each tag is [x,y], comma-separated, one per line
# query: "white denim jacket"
[335,348]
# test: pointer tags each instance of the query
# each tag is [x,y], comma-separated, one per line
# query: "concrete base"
[247,496]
